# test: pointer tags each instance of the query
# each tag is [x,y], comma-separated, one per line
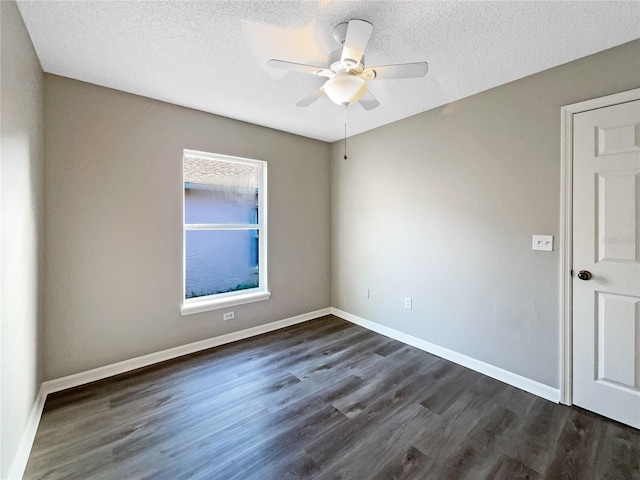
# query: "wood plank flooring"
[321,400]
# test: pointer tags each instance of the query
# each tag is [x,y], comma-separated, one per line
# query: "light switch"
[543,242]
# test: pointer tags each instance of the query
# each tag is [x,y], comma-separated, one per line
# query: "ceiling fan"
[346,74]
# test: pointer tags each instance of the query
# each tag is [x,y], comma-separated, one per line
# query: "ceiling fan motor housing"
[337,65]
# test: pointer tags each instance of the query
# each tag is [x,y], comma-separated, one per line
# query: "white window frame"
[229,299]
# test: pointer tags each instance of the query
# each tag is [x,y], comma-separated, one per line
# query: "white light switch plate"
[543,242]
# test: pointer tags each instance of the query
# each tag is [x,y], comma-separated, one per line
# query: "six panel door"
[606,248]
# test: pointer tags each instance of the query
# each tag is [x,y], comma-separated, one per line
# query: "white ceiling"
[212,56]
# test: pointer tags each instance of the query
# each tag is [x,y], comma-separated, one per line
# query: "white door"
[606,245]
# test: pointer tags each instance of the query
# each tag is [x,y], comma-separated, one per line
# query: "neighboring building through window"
[224,231]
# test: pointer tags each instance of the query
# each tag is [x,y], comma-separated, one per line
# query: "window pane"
[220,261]
[216,191]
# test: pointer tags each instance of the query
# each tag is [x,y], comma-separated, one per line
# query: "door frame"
[566,230]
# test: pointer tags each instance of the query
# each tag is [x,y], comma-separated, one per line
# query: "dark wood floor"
[326,400]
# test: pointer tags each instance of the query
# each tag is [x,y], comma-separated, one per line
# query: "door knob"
[584,275]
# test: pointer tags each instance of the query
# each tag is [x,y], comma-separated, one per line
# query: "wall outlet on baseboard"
[227,316]
[408,303]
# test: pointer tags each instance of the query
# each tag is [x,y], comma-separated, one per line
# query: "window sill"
[218,303]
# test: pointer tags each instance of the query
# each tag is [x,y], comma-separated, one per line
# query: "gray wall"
[441,207]
[113,228]
[21,173]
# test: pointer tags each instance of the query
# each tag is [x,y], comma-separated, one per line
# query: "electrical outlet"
[408,303]
[227,316]
[366,293]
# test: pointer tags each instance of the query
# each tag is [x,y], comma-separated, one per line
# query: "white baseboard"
[29,435]
[144,361]
[51,386]
[510,378]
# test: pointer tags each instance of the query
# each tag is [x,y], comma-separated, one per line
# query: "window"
[225,231]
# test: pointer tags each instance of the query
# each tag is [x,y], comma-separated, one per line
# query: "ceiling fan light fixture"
[345,89]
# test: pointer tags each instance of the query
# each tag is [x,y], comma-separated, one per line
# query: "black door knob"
[584,275]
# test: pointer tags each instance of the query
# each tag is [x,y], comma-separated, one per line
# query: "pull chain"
[345,141]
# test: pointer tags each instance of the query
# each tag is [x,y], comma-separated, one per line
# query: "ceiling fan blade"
[368,101]
[358,34]
[403,70]
[312,97]
[294,67]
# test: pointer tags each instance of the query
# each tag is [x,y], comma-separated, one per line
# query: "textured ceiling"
[213,56]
